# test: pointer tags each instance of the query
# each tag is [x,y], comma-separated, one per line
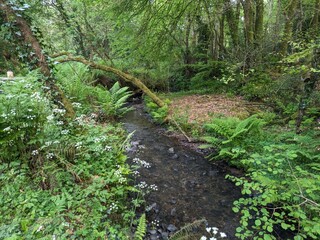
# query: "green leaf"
[270,228]
[257,222]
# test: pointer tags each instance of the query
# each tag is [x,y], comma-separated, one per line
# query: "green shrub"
[258,86]
[233,138]
[200,76]
[279,191]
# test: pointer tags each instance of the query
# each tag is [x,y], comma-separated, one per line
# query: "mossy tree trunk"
[232,18]
[287,32]
[125,76]
[258,31]
[248,22]
[315,19]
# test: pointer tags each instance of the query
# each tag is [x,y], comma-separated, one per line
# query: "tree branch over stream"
[125,76]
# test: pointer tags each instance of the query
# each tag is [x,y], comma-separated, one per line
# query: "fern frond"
[187,231]
[141,229]
[114,88]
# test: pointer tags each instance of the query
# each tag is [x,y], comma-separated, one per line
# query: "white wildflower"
[36,96]
[64,132]
[208,229]
[28,85]
[93,116]
[203,238]
[7,129]
[50,155]
[50,117]
[108,148]
[60,111]
[35,152]
[76,104]
[78,145]
[215,230]
[153,187]
[142,185]
[40,228]
[10,96]
[112,207]
[223,235]
[60,123]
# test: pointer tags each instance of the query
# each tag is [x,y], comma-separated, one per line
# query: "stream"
[189,188]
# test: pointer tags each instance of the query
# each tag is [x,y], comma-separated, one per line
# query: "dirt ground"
[199,108]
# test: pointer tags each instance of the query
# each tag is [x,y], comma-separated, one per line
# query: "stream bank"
[188,187]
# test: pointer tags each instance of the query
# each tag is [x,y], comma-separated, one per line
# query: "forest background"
[266,51]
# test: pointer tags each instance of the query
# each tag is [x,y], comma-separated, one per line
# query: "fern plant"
[233,137]
[142,228]
[119,96]
[189,231]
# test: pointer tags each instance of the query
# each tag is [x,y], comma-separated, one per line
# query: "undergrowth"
[281,192]
[60,178]
[76,80]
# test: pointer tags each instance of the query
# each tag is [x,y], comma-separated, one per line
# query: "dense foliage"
[280,189]
[61,146]
[60,178]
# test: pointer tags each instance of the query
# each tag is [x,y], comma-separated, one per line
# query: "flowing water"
[189,187]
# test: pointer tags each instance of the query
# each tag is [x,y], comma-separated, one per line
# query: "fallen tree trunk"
[126,77]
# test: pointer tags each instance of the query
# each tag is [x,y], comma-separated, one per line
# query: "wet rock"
[175,156]
[160,148]
[154,207]
[152,231]
[173,211]
[154,237]
[165,235]
[172,228]
[224,203]
[171,150]
[213,173]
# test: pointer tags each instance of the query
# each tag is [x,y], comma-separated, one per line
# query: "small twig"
[180,129]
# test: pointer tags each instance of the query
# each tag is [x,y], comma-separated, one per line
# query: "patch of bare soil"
[200,108]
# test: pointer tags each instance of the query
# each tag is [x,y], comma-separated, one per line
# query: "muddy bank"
[189,187]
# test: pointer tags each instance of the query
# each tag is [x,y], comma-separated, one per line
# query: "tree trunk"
[248,22]
[187,58]
[258,31]
[287,32]
[233,22]
[315,20]
[221,32]
[124,76]
[29,38]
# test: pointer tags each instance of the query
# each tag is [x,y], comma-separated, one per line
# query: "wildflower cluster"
[154,223]
[113,207]
[76,105]
[118,174]
[214,234]
[141,163]
[145,187]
